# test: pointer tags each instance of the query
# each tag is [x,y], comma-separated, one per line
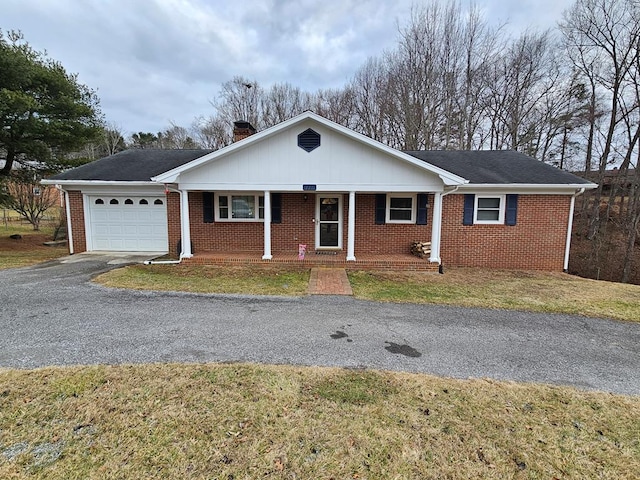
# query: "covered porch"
[401,262]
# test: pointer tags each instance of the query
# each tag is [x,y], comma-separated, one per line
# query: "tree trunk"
[8,162]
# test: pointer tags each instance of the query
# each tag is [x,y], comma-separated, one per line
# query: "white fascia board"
[537,189]
[448,178]
[320,188]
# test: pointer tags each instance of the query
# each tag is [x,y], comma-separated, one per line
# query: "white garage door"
[127,223]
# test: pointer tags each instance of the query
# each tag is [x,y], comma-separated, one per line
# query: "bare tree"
[112,139]
[602,38]
[176,137]
[212,132]
[28,198]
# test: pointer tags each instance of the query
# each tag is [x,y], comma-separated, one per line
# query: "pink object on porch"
[302,250]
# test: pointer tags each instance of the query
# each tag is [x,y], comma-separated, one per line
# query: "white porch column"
[267,226]
[351,228]
[185,226]
[436,228]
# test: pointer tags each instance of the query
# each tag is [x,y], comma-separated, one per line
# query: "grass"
[517,290]
[209,279]
[29,250]
[507,289]
[245,421]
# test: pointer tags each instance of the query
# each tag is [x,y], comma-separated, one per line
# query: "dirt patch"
[32,241]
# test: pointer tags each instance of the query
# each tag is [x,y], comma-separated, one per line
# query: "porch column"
[351,228]
[185,227]
[267,226]
[436,228]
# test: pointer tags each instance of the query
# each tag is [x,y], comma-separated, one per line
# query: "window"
[144,202]
[114,201]
[401,209]
[489,209]
[128,201]
[99,201]
[240,208]
[157,201]
[36,191]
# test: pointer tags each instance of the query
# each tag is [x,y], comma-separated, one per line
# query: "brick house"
[309,181]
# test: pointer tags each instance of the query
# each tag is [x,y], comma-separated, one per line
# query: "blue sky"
[153,62]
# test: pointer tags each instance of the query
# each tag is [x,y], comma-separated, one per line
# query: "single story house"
[309,181]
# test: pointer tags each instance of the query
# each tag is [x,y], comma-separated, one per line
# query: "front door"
[328,222]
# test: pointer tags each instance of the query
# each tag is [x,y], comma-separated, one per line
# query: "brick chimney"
[242,130]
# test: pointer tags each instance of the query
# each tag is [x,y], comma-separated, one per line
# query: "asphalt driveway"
[51,314]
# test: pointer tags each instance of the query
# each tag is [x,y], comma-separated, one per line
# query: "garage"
[127,223]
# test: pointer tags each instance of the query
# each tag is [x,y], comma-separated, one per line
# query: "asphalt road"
[51,314]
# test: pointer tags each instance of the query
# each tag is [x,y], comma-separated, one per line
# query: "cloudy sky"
[153,62]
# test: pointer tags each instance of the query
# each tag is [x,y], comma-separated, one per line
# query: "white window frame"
[501,210]
[230,195]
[414,202]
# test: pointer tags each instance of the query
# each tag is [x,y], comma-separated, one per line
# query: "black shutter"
[276,208]
[381,208]
[421,219]
[469,204]
[512,209]
[207,207]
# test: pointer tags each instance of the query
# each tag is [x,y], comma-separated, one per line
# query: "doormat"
[322,252]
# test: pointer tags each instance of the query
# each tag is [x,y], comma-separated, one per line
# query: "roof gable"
[341,153]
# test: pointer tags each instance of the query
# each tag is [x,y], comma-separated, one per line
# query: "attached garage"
[126,223]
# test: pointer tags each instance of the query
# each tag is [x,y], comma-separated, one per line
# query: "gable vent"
[309,140]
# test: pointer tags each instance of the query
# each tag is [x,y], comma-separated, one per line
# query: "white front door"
[328,222]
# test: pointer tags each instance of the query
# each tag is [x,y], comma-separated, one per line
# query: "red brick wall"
[387,238]
[537,242]
[173,221]
[76,207]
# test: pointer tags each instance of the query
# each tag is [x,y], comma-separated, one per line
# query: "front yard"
[518,290]
[246,421]
[242,421]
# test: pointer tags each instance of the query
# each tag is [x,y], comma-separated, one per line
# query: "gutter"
[567,247]
[167,262]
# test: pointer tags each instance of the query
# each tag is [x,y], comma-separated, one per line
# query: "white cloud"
[164,60]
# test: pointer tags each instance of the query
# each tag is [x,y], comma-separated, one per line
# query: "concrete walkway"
[329,281]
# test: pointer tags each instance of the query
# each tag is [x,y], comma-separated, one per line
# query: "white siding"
[340,163]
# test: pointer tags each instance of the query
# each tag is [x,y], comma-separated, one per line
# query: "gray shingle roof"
[497,167]
[132,165]
[480,167]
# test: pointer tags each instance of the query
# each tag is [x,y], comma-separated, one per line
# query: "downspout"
[67,209]
[167,262]
[569,229]
[453,190]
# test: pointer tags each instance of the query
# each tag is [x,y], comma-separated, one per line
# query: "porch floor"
[311,260]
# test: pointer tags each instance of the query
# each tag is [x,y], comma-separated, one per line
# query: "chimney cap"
[243,124]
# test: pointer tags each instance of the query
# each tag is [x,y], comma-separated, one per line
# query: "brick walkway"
[329,281]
